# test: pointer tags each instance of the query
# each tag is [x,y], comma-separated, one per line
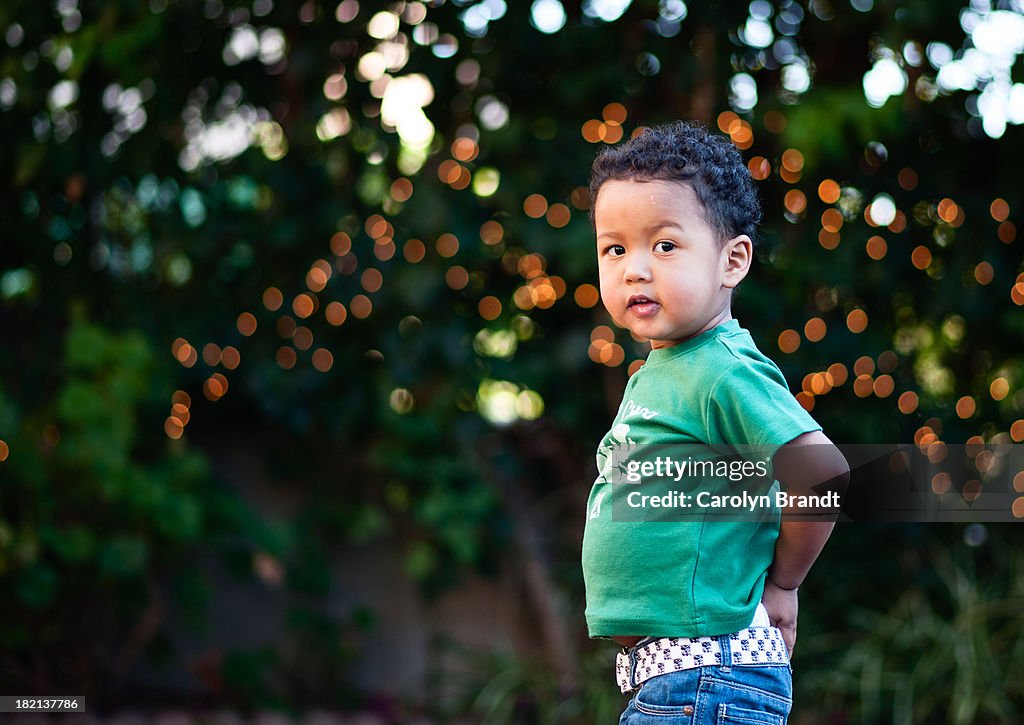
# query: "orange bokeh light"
[246,323]
[489,307]
[828,191]
[586,296]
[535,206]
[789,341]
[907,402]
[815,329]
[304,305]
[857,321]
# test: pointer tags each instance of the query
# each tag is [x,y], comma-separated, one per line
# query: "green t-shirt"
[687,576]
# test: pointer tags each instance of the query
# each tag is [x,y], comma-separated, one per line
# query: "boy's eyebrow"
[649,230]
[661,225]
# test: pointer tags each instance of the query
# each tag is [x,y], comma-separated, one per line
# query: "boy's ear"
[737,254]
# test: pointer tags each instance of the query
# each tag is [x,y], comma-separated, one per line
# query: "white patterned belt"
[750,646]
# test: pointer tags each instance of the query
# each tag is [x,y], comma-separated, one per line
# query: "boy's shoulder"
[750,402]
[739,344]
[743,360]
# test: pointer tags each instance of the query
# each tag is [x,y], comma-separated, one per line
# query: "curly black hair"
[687,152]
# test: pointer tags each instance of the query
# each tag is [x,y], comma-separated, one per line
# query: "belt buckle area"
[624,672]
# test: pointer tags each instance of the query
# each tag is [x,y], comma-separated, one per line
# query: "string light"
[303,338]
[211,354]
[795,201]
[230,358]
[371,280]
[815,329]
[999,388]
[491,233]
[335,313]
[857,321]
[304,305]
[401,190]
[456,277]
[341,244]
[535,206]
[272,299]
[286,326]
[447,245]
[965,407]
[907,402]
[414,250]
[586,296]
[789,341]
[907,179]
[558,215]
[876,247]
[323,360]
[360,306]
[760,168]
[828,191]
[921,257]
[489,307]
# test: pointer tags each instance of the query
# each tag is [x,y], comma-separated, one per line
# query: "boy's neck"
[723,316]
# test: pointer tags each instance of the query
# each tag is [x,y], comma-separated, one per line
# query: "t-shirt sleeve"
[750,405]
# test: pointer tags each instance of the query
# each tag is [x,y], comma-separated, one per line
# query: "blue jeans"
[720,694]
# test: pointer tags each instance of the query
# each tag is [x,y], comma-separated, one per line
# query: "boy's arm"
[804,462]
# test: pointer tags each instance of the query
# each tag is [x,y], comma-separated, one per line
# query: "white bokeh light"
[994,45]
[243,44]
[673,11]
[496,401]
[63,94]
[757,33]
[1015,106]
[885,79]
[475,20]
[548,16]
[1000,35]
[742,92]
[493,113]
[383,25]
[883,210]
[272,46]
[606,10]
[402,109]
[795,78]
[938,54]
[372,66]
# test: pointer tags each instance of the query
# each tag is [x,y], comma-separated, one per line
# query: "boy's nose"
[637,270]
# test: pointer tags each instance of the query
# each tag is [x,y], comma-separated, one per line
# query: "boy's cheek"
[603,292]
[610,308]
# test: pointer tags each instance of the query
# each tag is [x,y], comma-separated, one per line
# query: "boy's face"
[664,274]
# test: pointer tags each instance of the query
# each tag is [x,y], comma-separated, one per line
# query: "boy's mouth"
[641,305]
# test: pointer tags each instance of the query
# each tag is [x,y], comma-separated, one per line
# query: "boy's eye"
[616,250]
[665,246]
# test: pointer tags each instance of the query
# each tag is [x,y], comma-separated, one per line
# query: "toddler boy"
[704,609]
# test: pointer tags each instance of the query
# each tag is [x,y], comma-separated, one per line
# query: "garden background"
[302,366]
